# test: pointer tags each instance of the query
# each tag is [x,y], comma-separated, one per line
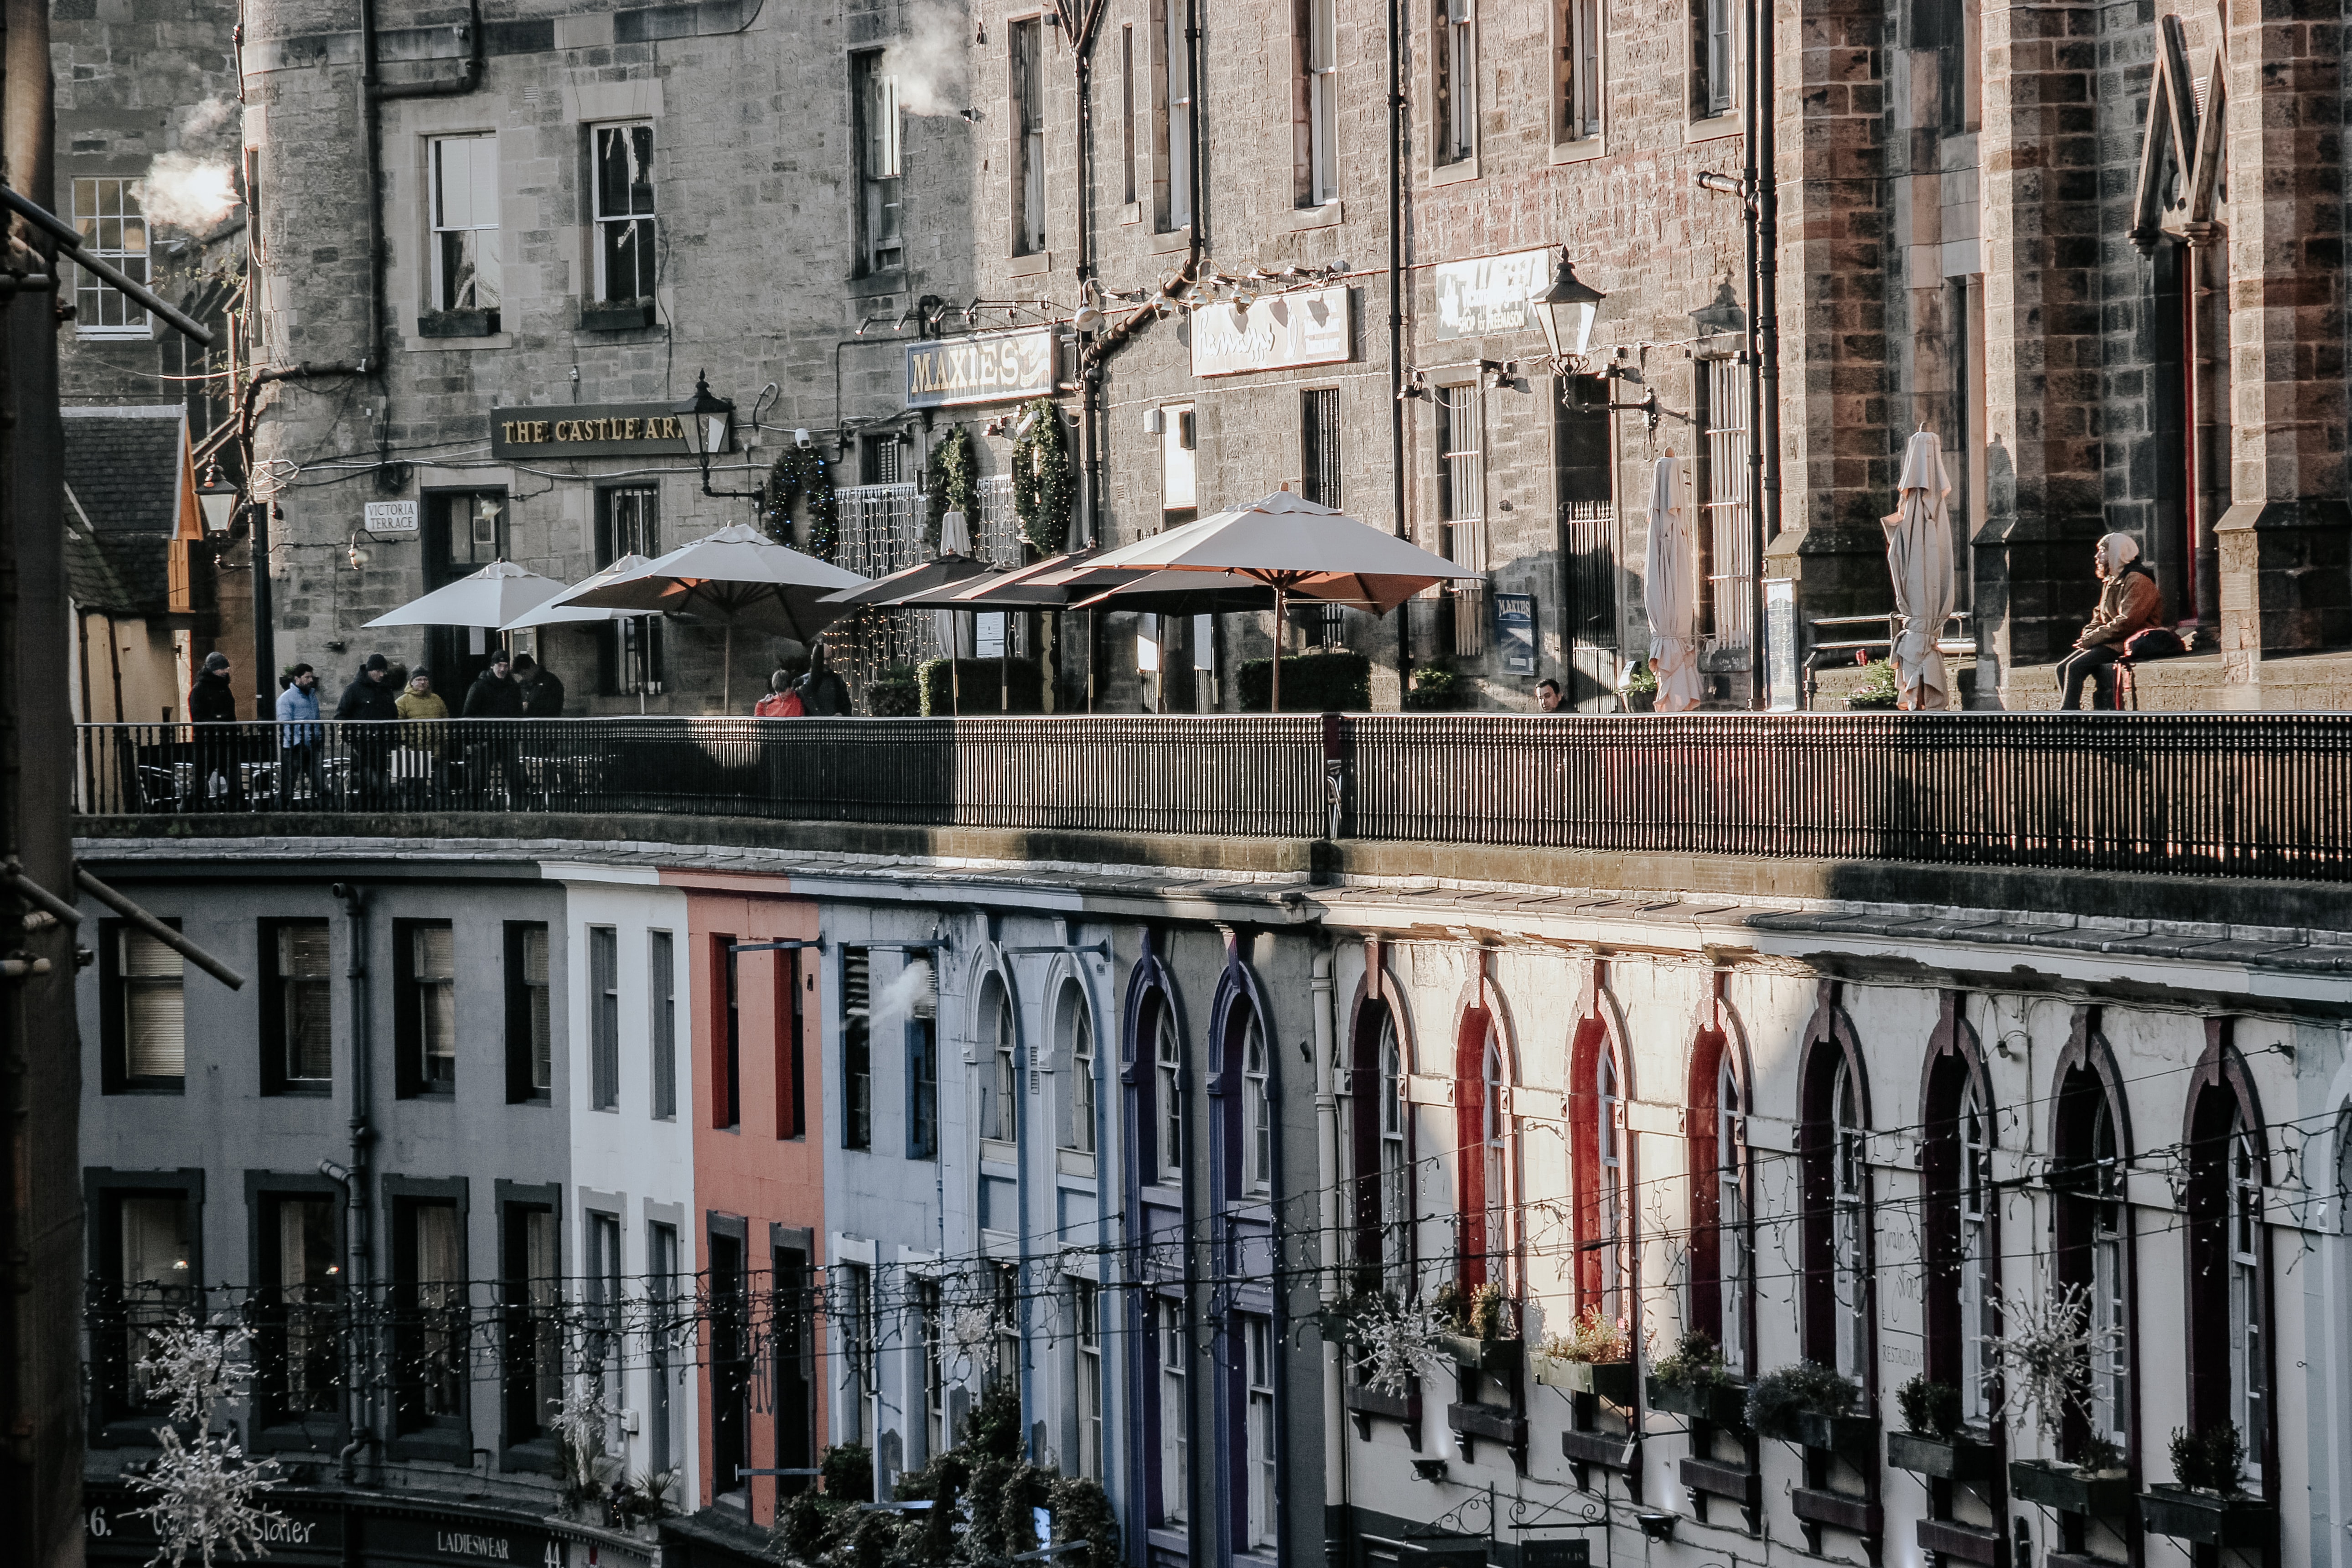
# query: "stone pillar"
[2040,247]
[1838,458]
[2286,543]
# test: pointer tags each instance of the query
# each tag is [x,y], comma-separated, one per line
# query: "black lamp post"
[709,423]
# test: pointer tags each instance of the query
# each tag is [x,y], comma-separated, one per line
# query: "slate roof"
[91,580]
[124,466]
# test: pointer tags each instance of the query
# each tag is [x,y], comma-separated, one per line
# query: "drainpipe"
[1767,271]
[354,1180]
[1396,322]
[374,93]
[1326,1180]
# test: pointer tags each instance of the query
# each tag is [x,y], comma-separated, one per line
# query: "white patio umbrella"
[552,613]
[1293,545]
[1673,590]
[489,599]
[737,577]
[1919,558]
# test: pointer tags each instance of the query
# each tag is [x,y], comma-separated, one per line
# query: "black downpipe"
[1396,322]
[1751,183]
[358,1212]
[1768,269]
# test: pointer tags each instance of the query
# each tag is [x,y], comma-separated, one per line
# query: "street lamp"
[707,421]
[217,499]
[1564,313]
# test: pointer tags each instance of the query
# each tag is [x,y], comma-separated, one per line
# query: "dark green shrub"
[1806,1387]
[1336,680]
[894,694]
[993,1430]
[1082,1512]
[1694,1362]
[1877,691]
[2189,1462]
[1931,1409]
[2225,1457]
[849,1473]
[1435,690]
[980,677]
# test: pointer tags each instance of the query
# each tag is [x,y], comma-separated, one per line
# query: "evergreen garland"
[802,471]
[1044,486]
[951,482]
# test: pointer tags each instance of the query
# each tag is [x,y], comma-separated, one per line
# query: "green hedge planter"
[1719,1403]
[1961,1460]
[1480,1355]
[2106,1495]
[1853,1438]
[1613,1380]
[2207,1519]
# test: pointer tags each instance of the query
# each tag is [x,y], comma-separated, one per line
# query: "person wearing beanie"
[2129,603]
[213,701]
[368,701]
[494,695]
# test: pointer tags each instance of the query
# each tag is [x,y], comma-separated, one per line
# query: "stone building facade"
[1977,234]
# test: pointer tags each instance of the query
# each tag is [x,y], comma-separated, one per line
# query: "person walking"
[542,693]
[2129,602]
[212,700]
[369,704]
[780,700]
[494,695]
[423,761]
[297,735]
[823,693]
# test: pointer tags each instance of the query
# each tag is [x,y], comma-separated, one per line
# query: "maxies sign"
[588,430]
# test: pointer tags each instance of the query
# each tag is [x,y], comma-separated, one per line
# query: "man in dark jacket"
[369,699]
[543,694]
[494,695]
[823,694]
[212,700]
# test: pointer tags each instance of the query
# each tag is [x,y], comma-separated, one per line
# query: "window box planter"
[1366,1399]
[1952,1541]
[1610,1450]
[1858,1516]
[1480,1355]
[1610,1380]
[1852,1437]
[616,315]
[2069,1490]
[1491,1422]
[1961,1459]
[457,324]
[1737,1483]
[1721,1403]
[2208,1518]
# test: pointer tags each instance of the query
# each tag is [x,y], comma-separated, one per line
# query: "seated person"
[2129,602]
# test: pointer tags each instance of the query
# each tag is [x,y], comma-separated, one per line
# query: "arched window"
[1719,1255]
[1975,1247]
[1076,1029]
[1608,1140]
[1395,1173]
[1958,1217]
[1598,1171]
[1167,1093]
[1482,1125]
[2091,1233]
[1850,1235]
[1000,1100]
[2229,1244]
[2110,1319]
[1258,1111]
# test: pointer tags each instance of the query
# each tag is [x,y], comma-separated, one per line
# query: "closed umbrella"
[737,577]
[1672,591]
[1919,558]
[489,599]
[1294,545]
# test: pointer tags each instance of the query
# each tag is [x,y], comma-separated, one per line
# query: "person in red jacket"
[2129,602]
[780,701]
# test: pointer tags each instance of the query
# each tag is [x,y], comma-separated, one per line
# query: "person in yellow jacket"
[418,763]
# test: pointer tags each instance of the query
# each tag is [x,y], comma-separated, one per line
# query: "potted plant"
[1876,691]
[1935,1440]
[2044,1355]
[1691,1382]
[2206,1503]
[1638,691]
[641,1502]
[1811,1405]
[1479,1329]
[1593,1357]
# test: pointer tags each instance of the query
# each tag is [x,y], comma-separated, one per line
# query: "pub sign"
[589,430]
[990,367]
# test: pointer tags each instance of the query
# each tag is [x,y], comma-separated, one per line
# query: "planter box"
[1488,1421]
[1611,1450]
[1610,1380]
[1717,1478]
[457,324]
[1853,1438]
[1365,1400]
[1837,1509]
[1961,1460]
[2069,1490]
[617,315]
[1480,1355]
[1718,1403]
[1953,1542]
[2207,1519]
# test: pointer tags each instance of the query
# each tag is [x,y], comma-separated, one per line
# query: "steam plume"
[929,65]
[193,187]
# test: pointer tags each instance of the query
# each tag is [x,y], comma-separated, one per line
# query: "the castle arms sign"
[588,430]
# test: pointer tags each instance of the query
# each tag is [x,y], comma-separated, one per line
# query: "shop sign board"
[438,1541]
[989,367]
[306,1536]
[1309,327]
[1514,632]
[391,517]
[588,430]
[1491,293]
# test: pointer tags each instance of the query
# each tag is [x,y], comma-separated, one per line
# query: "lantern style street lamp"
[1565,312]
[217,499]
[707,421]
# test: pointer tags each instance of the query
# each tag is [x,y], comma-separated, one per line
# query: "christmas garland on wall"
[951,480]
[1044,486]
[802,471]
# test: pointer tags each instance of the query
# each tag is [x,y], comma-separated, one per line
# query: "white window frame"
[1454,53]
[484,290]
[1175,85]
[1396,1171]
[881,189]
[435,991]
[1732,1264]
[1175,1490]
[929,1308]
[2110,1315]
[1086,1314]
[1027,65]
[110,215]
[2249,1390]
[1975,1205]
[1168,1066]
[1493,1134]
[1581,78]
[1257,1103]
[1849,1201]
[1260,1438]
[1609,1168]
[1715,61]
[153,979]
[600,219]
[1079,1135]
[1320,65]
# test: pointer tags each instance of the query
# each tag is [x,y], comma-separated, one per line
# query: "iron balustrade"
[2206,795]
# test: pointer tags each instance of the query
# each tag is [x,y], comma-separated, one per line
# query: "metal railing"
[2205,795]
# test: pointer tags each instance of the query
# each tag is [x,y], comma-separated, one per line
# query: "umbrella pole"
[1280,599]
[955,671]
[727,672]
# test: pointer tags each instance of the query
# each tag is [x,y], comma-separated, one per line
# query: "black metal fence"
[2213,795]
